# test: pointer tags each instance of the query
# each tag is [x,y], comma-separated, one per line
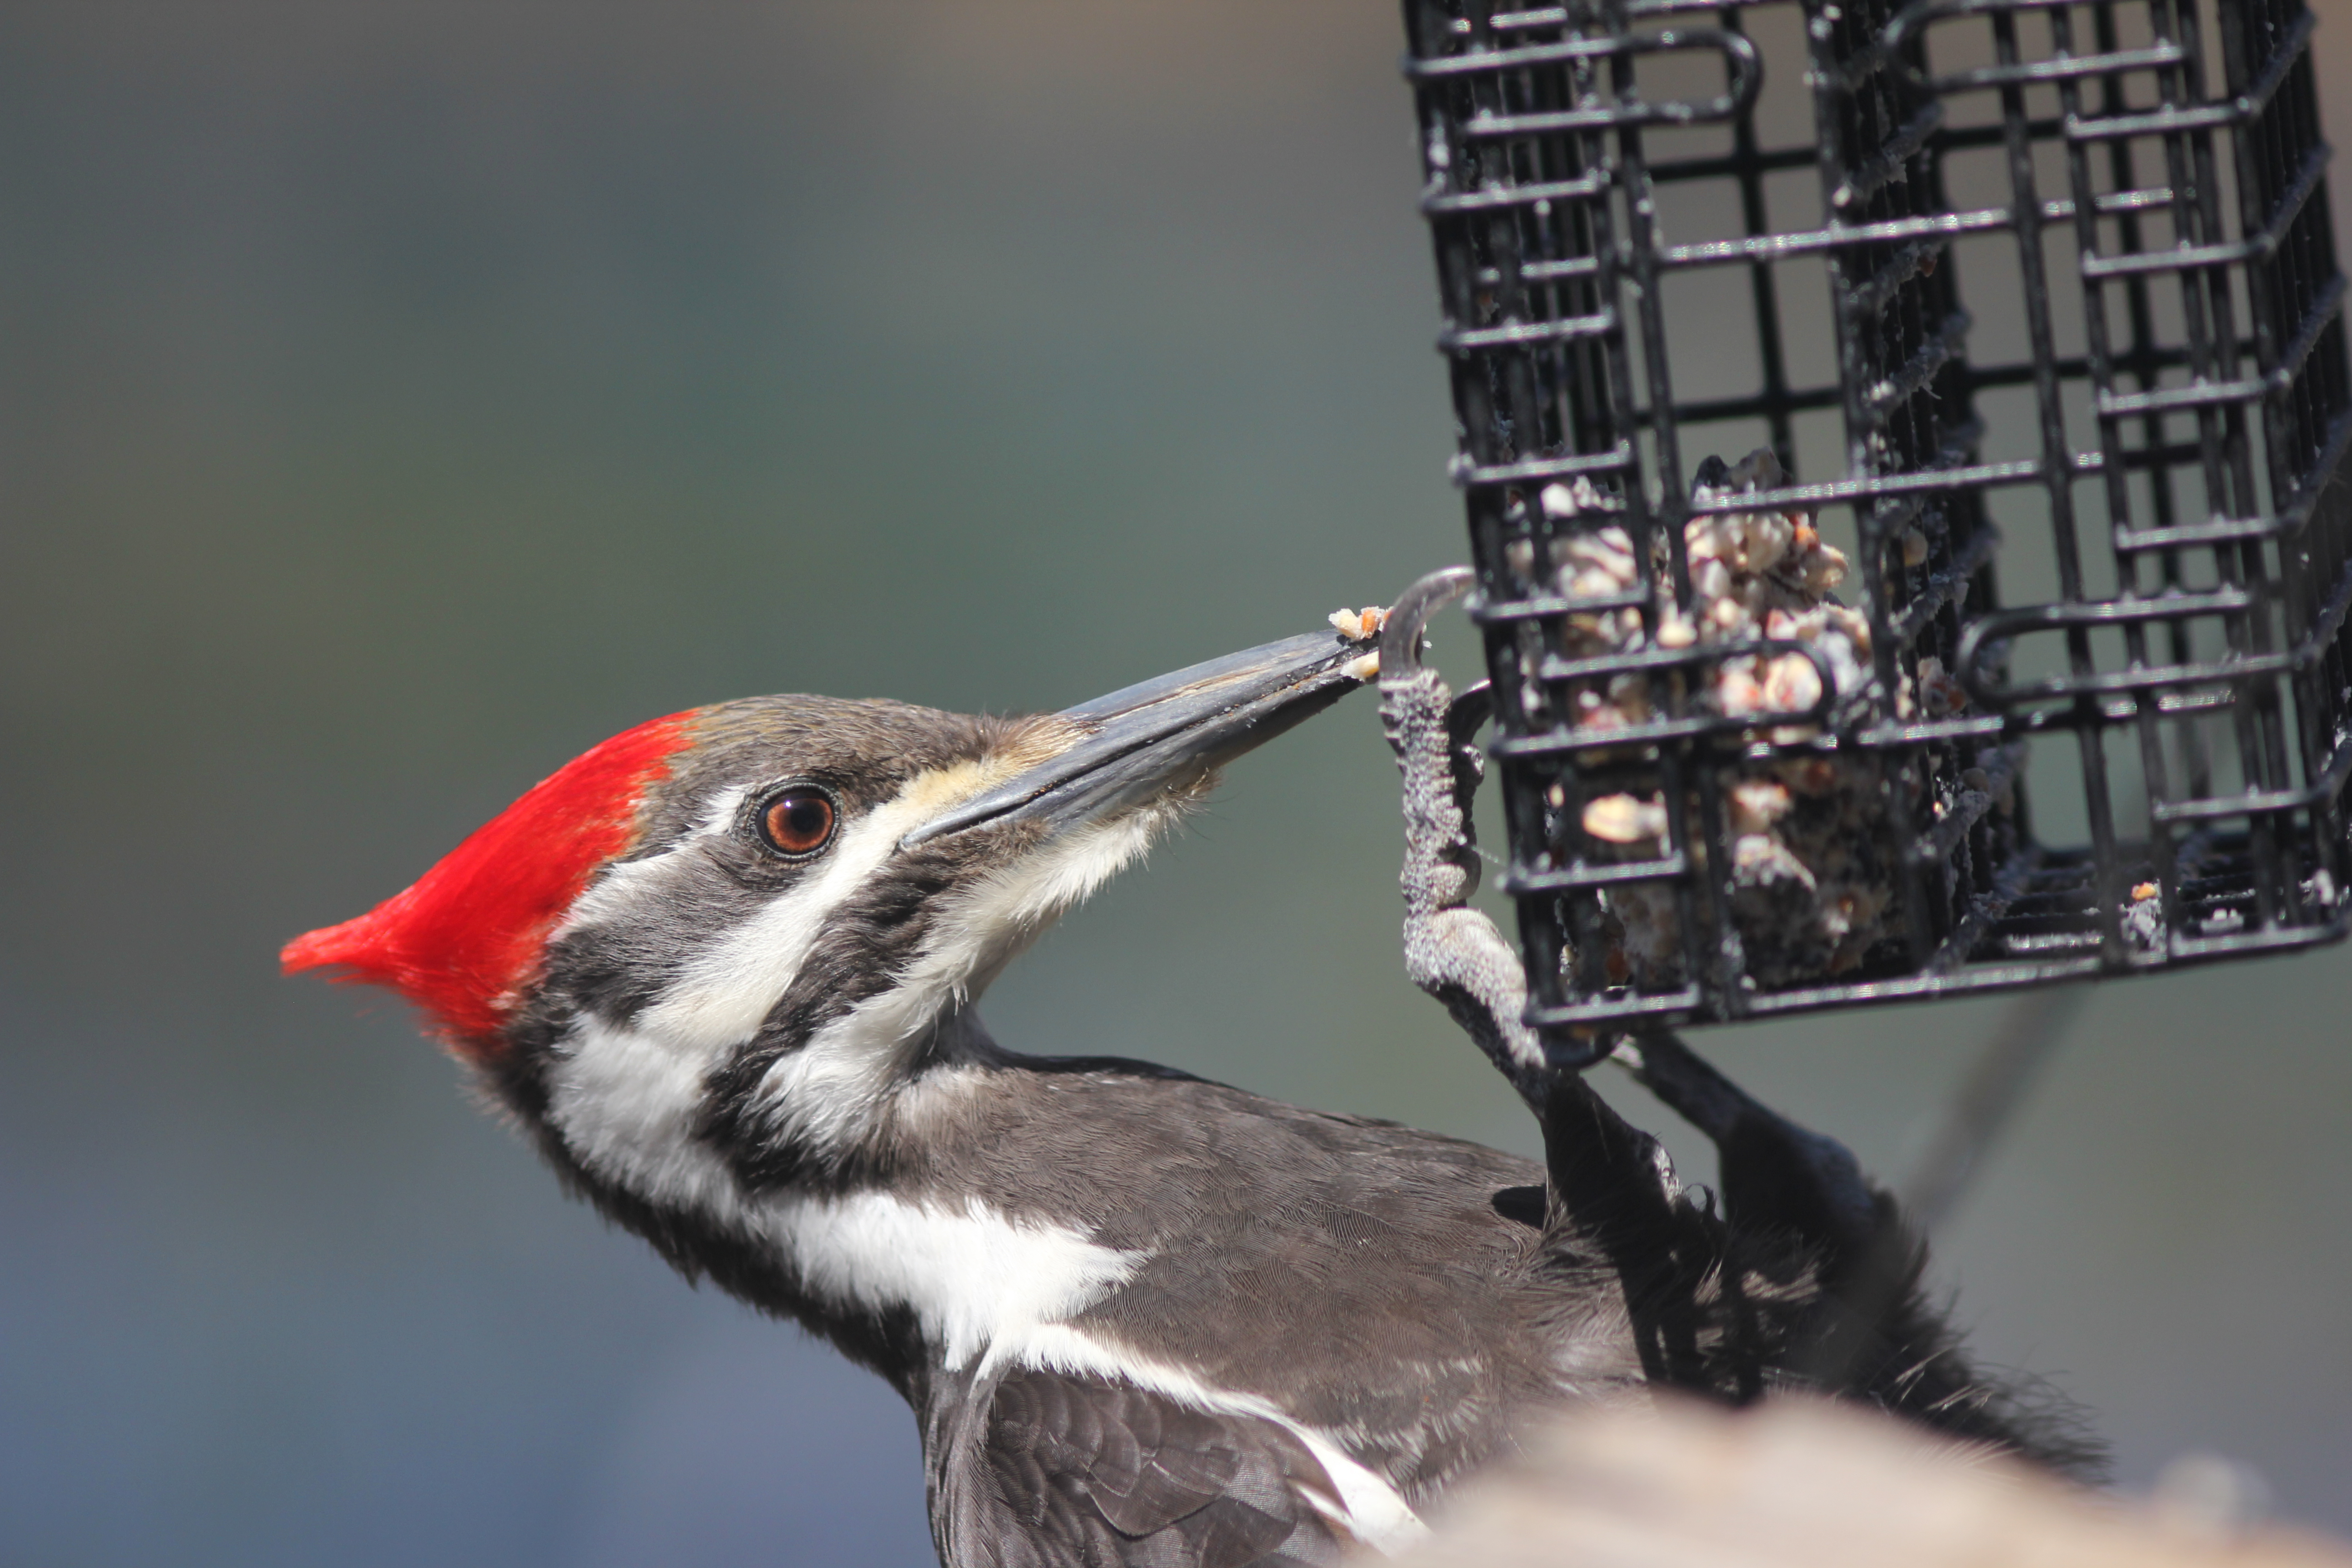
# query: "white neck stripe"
[831,1091]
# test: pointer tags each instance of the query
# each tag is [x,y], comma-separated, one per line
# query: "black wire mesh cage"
[1955,285]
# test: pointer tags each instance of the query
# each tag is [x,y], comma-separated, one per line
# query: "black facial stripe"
[608,973]
[865,949]
[616,968]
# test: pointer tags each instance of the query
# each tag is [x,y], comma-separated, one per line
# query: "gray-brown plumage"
[1141,1317]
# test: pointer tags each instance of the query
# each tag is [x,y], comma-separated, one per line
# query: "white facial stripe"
[625,1103]
[1365,1504]
[614,897]
[830,1091]
[729,988]
[973,1276]
[627,1099]
[1004,913]
[718,812]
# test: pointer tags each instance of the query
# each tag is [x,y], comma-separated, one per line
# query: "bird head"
[724,949]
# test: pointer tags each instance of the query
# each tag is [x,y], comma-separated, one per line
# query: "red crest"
[464,940]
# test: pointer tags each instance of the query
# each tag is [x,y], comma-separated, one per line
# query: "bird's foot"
[1451,950]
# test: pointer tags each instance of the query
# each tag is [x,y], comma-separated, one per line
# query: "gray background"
[400,398]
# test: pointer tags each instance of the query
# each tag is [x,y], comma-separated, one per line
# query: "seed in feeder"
[1770,535]
[1814,887]
[1710,579]
[1758,858]
[1813,776]
[1791,685]
[2144,891]
[1737,693]
[1630,695]
[1364,667]
[1939,692]
[1623,820]
[1599,715]
[1823,569]
[1567,501]
[1359,625]
[1606,551]
[1756,804]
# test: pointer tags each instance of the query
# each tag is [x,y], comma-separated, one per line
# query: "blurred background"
[395,399]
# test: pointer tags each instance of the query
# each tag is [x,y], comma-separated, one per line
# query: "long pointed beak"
[1143,740]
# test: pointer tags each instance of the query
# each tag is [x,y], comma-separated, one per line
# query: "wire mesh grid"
[1977,278]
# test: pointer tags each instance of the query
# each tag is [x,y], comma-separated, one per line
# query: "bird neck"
[692,1127]
[880,1238]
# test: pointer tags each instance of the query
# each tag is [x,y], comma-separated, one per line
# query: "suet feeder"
[2009,646]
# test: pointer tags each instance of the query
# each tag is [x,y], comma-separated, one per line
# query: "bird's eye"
[798,821]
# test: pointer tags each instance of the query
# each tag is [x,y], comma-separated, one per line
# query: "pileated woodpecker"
[722,968]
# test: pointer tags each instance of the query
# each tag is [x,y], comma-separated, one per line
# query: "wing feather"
[1085,1472]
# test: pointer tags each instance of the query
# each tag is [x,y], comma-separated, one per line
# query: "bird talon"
[1453,952]
[1402,630]
[1473,706]
[1467,760]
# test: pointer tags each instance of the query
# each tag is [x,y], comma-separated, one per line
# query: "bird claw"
[1433,733]
[1464,717]
[1452,951]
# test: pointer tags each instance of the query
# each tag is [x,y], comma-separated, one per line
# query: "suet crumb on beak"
[1360,626]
